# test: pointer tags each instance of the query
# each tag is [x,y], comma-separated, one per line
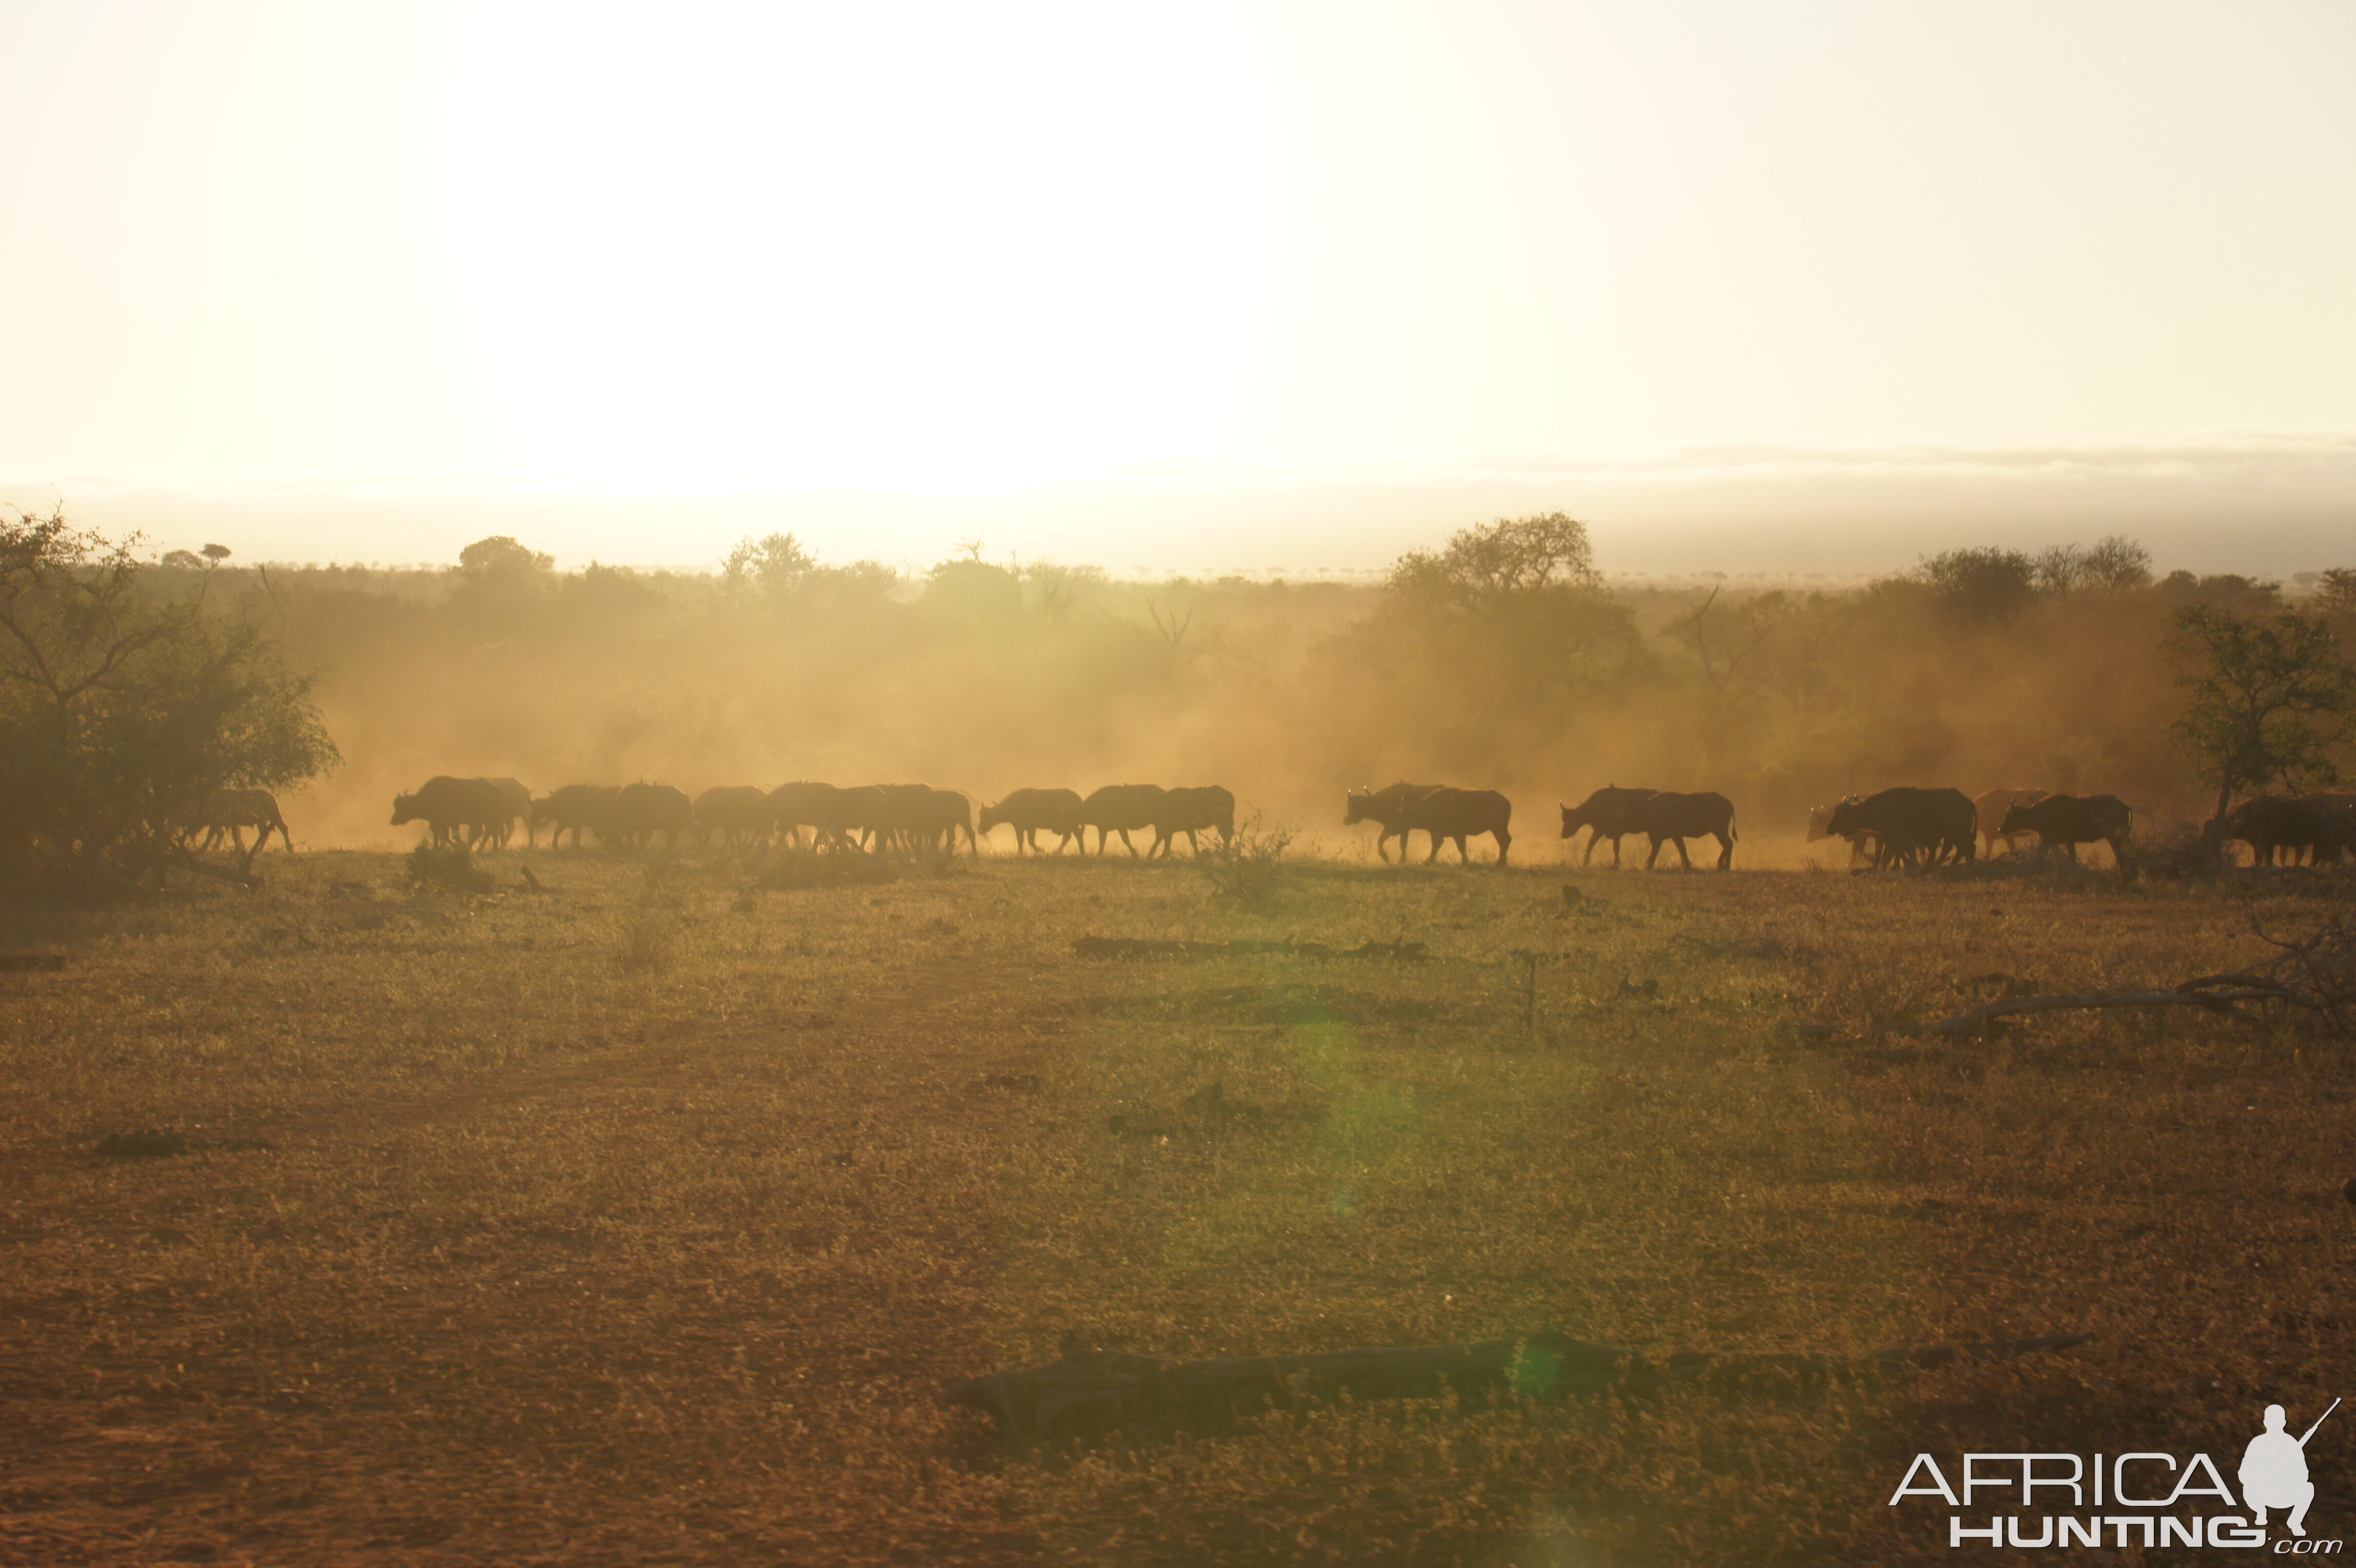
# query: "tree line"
[1501,657]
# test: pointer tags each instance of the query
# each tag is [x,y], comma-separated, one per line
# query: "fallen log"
[2214,994]
[1137,948]
[1102,1391]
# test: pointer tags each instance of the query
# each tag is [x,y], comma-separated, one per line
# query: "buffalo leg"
[1656,852]
[1725,852]
[1504,844]
[1592,834]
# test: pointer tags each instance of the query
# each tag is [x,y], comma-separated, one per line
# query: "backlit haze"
[1810,287]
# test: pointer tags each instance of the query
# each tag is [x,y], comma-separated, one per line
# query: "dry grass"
[645,1218]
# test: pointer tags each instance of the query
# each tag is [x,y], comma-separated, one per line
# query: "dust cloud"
[1997,669]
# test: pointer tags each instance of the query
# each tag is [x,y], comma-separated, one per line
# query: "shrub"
[1247,871]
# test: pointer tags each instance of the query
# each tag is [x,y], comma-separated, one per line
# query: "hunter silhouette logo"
[2274,1471]
[2136,1497]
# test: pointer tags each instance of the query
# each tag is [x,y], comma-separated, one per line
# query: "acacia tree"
[2271,700]
[124,702]
[1486,566]
[1499,636]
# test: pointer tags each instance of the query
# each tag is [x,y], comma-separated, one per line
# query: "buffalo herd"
[482,813]
[1904,828]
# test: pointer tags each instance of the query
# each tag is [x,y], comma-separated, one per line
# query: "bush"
[1247,871]
[126,702]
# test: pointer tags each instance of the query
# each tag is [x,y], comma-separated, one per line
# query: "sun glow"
[1193,260]
[857,246]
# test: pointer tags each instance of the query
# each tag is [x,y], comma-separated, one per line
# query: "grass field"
[644,1219]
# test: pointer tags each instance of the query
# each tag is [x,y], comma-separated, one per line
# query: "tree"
[1508,558]
[1984,585]
[125,701]
[776,564]
[2271,701]
[2114,564]
[2336,590]
[497,554]
[1509,626]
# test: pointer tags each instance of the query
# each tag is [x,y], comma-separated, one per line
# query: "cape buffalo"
[1933,825]
[1190,810]
[515,806]
[1459,814]
[1988,811]
[1604,815]
[1864,844]
[1028,811]
[2270,825]
[1671,819]
[228,812]
[575,806]
[927,819]
[1118,808]
[2337,810]
[817,807]
[2068,821]
[447,805]
[914,816]
[736,812]
[1389,808]
[641,811]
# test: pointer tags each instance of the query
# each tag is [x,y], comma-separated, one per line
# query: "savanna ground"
[645,1218]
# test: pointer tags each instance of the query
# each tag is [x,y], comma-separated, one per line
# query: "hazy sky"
[1788,284]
